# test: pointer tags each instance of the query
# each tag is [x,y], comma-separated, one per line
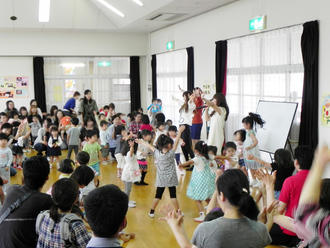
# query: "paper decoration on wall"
[209,89]
[12,87]
[325,110]
[58,93]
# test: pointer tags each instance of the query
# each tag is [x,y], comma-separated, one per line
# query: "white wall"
[232,20]
[18,66]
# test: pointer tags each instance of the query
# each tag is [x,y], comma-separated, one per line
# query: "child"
[160,129]
[201,186]
[103,141]
[146,123]
[166,169]
[73,137]
[17,145]
[231,160]
[121,138]
[116,120]
[131,172]
[41,143]
[13,116]
[35,126]
[93,148]
[58,227]
[89,124]
[142,154]
[153,109]
[54,146]
[66,168]
[240,136]
[212,151]
[168,123]
[251,144]
[6,158]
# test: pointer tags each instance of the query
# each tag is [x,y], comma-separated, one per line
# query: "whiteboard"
[279,117]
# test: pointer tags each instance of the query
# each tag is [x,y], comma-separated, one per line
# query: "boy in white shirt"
[104,125]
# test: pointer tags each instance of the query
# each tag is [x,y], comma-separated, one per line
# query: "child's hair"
[212,149]
[125,149]
[105,107]
[172,129]
[214,214]
[54,129]
[283,158]
[252,119]
[169,121]
[235,187]
[160,117]
[185,106]
[325,194]
[106,207]
[104,123]
[304,155]
[242,134]
[13,113]
[201,147]
[115,116]
[83,158]
[112,106]
[83,175]
[3,114]
[35,172]
[64,194]
[145,119]
[53,109]
[130,115]
[144,133]
[163,141]
[74,121]
[3,136]
[66,166]
[101,114]
[6,126]
[160,124]
[230,144]
[119,129]
[89,119]
[90,133]
[140,110]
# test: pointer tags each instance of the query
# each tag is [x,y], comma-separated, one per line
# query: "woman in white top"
[217,120]
[186,115]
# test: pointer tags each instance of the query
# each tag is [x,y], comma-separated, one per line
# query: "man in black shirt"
[18,229]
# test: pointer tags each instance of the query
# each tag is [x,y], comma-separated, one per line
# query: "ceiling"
[91,15]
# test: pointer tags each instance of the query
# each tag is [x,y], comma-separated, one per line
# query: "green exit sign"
[104,63]
[258,23]
[170,45]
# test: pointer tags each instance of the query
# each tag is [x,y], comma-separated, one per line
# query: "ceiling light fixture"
[112,8]
[44,9]
[138,2]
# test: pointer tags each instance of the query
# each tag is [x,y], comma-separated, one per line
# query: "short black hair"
[66,166]
[230,144]
[91,133]
[112,105]
[35,172]
[104,123]
[74,121]
[160,124]
[76,93]
[144,133]
[172,129]
[119,129]
[3,136]
[125,149]
[304,155]
[115,116]
[213,149]
[6,126]
[105,107]
[145,119]
[3,114]
[83,175]
[106,208]
[215,214]
[242,133]
[83,158]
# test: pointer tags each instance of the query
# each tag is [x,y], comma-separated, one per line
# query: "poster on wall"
[13,86]
[208,89]
[325,110]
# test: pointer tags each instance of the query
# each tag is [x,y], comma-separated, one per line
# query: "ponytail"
[253,119]
[53,213]
[202,148]
[235,187]
[163,141]
[185,106]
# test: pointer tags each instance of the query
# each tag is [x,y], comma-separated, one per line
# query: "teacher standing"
[88,107]
[217,119]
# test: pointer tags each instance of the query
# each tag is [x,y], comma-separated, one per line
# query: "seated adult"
[106,209]
[290,194]
[135,125]
[70,105]
[17,227]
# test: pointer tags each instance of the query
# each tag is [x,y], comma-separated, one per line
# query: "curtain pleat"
[135,82]
[154,76]
[39,83]
[190,69]
[221,66]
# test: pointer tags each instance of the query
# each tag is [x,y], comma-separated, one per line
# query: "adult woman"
[186,115]
[10,106]
[237,228]
[53,110]
[34,103]
[197,121]
[88,107]
[217,120]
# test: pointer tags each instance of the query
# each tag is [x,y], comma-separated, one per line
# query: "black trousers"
[160,191]
[280,238]
[187,148]
[72,148]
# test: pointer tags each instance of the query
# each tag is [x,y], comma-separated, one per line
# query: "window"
[171,73]
[107,78]
[266,66]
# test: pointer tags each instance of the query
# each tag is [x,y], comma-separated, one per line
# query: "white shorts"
[120,160]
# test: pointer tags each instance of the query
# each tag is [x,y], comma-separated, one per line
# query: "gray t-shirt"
[231,233]
[74,133]
[166,169]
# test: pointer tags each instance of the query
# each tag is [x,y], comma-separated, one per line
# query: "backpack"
[65,223]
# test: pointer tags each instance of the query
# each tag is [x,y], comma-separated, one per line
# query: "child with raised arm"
[166,176]
[201,186]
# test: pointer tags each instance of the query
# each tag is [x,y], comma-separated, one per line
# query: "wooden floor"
[149,232]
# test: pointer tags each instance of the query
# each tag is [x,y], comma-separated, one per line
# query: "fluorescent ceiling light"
[44,9]
[70,65]
[112,8]
[138,2]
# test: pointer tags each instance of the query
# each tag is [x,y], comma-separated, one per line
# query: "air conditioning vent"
[166,17]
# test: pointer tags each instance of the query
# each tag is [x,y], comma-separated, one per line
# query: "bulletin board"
[13,87]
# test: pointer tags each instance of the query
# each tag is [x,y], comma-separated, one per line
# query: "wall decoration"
[208,89]
[325,110]
[13,86]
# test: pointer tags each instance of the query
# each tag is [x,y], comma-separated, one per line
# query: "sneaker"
[131,204]
[138,183]
[144,183]
[104,163]
[151,215]
[200,218]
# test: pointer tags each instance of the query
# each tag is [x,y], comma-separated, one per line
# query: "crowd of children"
[219,183]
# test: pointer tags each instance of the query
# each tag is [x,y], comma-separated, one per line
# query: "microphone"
[202,107]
